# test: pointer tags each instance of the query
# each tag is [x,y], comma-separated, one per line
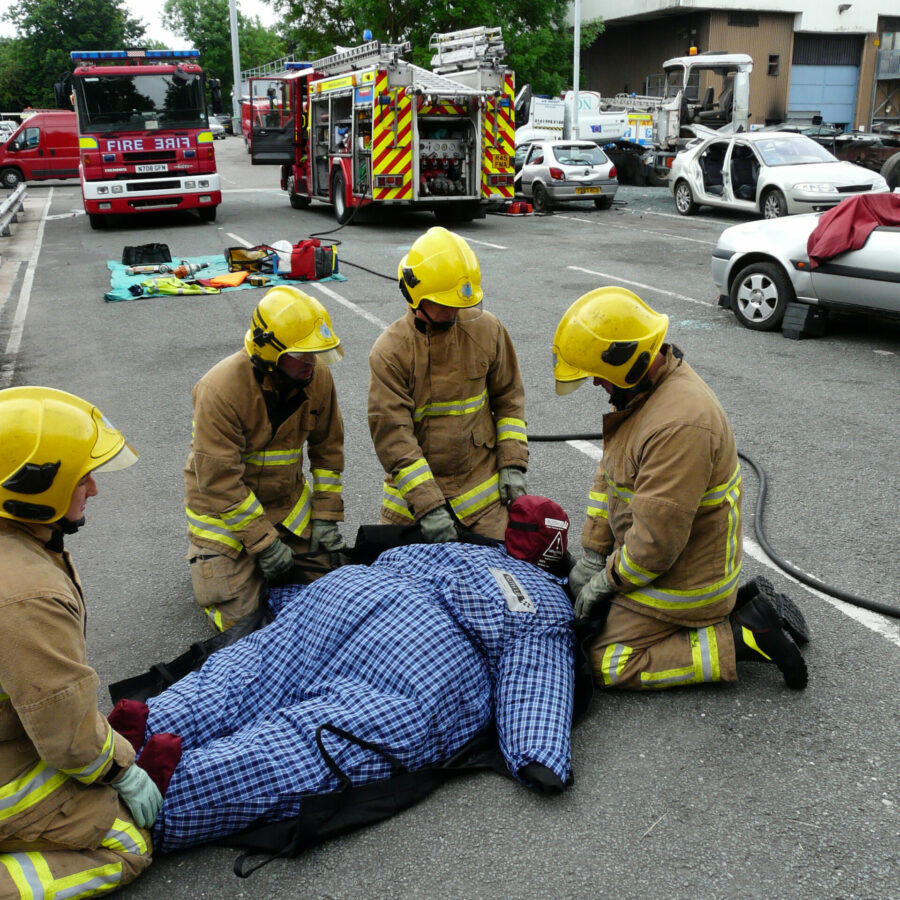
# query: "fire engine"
[364,126]
[144,135]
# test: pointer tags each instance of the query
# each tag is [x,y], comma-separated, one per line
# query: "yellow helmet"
[608,333]
[440,267]
[288,321]
[49,440]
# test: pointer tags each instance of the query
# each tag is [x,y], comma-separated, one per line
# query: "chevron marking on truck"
[391,140]
[498,137]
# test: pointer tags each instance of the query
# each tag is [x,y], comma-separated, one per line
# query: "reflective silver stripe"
[297,519]
[323,478]
[679,678]
[234,519]
[612,671]
[451,407]
[472,501]
[90,772]
[718,493]
[413,475]
[118,839]
[32,785]
[205,523]
[696,598]
[27,873]
[106,877]
[705,655]
[632,571]
[272,457]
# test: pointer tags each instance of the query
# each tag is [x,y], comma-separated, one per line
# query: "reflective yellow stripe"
[215,617]
[511,430]
[412,475]
[298,518]
[629,569]
[598,505]
[33,879]
[477,498]
[660,598]
[392,499]
[328,480]
[452,407]
[614,658]
[623,493]
[89,773]
[246,511]
[29,789]
[212,528]
[668,677]
[749,639]
[125,837]
[718,493]
[705,653]
[88,883]
[287,457]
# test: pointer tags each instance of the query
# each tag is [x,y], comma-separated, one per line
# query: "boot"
[759,637]
[789,616]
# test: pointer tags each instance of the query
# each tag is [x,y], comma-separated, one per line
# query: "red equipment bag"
[310,261]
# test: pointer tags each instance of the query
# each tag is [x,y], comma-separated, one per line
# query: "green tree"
[47,30]
[207,26]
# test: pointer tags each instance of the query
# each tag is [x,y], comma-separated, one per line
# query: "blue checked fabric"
[415,653]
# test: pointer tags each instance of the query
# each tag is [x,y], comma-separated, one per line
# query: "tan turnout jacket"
[446,412]
[665,506]
[55,745]
[241,480]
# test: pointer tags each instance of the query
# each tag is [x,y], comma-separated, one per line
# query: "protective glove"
[276,560]
[598,588]
[437,526]
[589,565]
[140,794]
[324,535]
[512,484]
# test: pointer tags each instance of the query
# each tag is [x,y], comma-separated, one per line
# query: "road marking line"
[240,240]
[487,244]
[605,224]
[349,304]
[18,325]
[640,284]
[865,617]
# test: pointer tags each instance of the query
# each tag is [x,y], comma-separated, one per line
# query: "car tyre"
[759,296]
[207,213]
[603,202]
[11,178]
[540,199]
[342,212]
[684,199]
[98,221]
[890,171]
[773,205]
[298,201]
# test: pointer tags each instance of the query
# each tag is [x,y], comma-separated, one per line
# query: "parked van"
[44,146]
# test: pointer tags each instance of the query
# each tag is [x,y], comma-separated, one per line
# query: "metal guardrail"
[9,209]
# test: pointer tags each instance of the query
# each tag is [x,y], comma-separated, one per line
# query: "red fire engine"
[144,134]
[364,126]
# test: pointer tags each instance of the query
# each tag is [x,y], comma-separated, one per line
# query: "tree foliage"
[47,30]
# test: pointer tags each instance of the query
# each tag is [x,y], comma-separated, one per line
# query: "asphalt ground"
[745,790]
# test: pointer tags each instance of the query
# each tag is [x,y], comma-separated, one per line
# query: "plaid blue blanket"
[416,653]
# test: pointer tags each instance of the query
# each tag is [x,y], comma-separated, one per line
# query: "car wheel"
[298,201]
[98,221]
[684,199]
[540,199]
[759,296]
[773,205]
[207,213]
[342,212]
[11,178]
[603,202]
[890,171]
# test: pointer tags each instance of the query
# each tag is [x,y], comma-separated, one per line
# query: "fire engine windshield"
[142,102]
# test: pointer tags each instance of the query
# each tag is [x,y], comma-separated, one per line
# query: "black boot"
[789,616]
[759,637]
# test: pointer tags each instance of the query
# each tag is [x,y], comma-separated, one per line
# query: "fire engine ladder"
[455,50]
[370,54]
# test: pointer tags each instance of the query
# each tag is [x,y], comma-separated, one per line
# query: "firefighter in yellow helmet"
[662,542]
[74,808]
[446,401]
[249,507]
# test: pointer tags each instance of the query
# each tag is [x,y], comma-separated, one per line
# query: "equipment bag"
[251,259]
[146,255]
[310,261]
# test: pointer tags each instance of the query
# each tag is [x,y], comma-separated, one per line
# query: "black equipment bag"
[146,255]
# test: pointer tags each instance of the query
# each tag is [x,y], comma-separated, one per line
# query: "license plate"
[157,167]
[501,160]
[589,190]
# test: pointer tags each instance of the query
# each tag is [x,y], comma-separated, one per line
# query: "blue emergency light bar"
[298,65]
[134,54]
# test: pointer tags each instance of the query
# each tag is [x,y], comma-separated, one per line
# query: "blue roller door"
[830,90]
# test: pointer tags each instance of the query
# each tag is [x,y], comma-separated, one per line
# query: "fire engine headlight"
[102,190]
[815,187]
[205,198]
[203,182]
[190,184]
[118,189]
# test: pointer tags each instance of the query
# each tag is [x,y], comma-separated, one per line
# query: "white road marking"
[18,324]
[640,284]
[657,234]
[240,240]
[486,244]
[334,295]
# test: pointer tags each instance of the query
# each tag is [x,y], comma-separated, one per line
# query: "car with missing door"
[775,173]
[557,171]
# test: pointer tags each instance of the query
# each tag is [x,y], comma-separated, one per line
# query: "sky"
[151,12]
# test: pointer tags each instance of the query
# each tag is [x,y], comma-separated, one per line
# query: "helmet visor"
[127,456]
[569,387]
[110,451]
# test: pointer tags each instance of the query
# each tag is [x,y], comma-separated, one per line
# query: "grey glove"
[589,565]
[140,794]
[324,535]
[437,526]
[598,588]
[512,484]
[276,560]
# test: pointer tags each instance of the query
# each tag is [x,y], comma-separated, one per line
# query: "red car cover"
[848,225]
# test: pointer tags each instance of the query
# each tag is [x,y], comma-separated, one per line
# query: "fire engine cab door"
[272,128]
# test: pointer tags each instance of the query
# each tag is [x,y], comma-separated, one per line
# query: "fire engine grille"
[155,186]
[145,156]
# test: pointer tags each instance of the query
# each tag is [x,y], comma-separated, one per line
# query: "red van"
[44,146]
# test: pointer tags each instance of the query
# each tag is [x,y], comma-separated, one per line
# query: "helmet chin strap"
[437,326]
[621,397]
[67,526]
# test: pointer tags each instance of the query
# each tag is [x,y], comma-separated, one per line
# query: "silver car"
[776,173]
[561,170]
[760,267]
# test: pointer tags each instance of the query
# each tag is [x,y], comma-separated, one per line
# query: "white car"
[776,173]
[760,267]
[562,170]
[217,129]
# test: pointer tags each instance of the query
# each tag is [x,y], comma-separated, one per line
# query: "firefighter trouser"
[491,523]
[64,855]
[229,589]
[639,652]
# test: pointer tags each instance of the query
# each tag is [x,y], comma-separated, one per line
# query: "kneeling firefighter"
[249,507]
[662,541]
[74,808]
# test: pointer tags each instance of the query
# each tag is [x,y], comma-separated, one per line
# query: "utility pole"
[576,66]
[236,68]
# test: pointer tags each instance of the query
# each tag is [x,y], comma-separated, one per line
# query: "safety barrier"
[9,209]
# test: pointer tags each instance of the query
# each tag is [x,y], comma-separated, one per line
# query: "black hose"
[779,561]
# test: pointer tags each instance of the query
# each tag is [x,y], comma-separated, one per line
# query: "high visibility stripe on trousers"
[704,666]
[467,504]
